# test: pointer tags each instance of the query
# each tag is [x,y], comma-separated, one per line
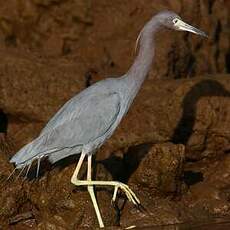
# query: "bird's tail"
[27,154]
[22,156]
[35,150]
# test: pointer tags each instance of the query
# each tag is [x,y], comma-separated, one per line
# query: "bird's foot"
[128,192]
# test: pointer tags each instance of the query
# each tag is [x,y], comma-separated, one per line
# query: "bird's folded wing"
[83,125]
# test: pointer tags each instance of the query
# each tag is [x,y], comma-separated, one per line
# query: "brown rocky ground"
[173,146]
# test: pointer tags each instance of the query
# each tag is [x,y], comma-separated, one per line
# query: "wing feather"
[89,122]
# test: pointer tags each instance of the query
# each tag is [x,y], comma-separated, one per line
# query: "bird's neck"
[143,62]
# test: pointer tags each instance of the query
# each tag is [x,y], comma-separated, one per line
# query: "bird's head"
[171,20]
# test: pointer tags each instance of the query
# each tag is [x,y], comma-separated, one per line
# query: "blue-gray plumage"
[84,123]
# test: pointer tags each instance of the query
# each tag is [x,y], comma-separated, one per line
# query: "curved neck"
[143,62]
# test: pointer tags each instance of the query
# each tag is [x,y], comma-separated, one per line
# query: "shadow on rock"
[4,145]
[205,88]
[121,168]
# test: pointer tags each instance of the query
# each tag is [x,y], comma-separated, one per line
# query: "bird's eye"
[175,20]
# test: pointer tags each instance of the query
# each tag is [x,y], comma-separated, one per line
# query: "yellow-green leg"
[75,181]
[89,183]
[91,193]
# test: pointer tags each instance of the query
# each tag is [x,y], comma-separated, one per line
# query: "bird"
[89,118]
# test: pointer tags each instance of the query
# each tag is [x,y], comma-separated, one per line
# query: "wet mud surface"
[173,146]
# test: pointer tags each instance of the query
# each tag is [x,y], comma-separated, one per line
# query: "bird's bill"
[180,25]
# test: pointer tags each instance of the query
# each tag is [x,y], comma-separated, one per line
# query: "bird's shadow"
[184,128]
[5,143]
[121,168]
[3,122]
[205,88]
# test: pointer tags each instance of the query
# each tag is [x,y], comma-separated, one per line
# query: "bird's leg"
[91,192]
[114,194]
[117,185]
[77,182]
[74,179]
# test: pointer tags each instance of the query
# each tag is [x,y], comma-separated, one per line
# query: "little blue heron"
[88,119]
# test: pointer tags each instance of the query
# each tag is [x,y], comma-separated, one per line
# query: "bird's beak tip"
[201,33]
[186,27]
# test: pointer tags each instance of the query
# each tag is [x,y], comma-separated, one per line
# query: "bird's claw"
[128,192]
[141,208]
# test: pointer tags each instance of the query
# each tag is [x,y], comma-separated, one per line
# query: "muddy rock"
[161,169]
[205,199]
[210,190]
[33,83]
[159,176]
[11,200]
[156,212]
[52,202]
